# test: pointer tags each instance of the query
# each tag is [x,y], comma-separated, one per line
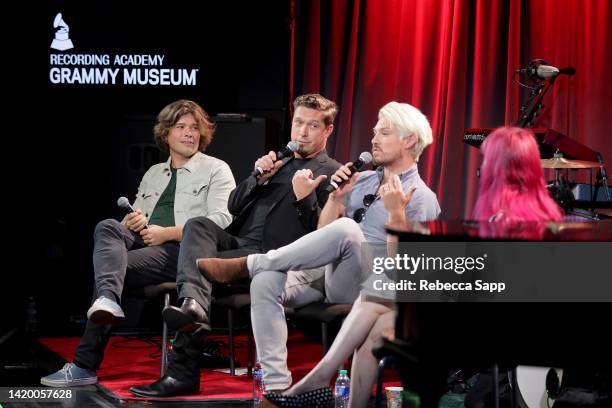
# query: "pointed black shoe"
[166,387]
[187,318]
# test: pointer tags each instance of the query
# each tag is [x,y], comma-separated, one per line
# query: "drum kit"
[559,163]
[567,194]
[560,188]
[553,145]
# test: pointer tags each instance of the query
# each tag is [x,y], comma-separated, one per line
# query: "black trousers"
[202,238]
[121,259]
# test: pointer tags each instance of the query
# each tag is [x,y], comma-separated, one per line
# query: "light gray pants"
[287,277]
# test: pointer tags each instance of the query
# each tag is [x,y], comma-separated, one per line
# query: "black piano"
[434,337]
[549,141]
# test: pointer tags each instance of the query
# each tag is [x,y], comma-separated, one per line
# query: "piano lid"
[549,141]
[466,230]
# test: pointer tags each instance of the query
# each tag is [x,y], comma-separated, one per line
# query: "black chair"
[237,303]
[398,353]
[326,314]
[152,292]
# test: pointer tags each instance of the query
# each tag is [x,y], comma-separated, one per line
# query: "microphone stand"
[534,103]
[529,111]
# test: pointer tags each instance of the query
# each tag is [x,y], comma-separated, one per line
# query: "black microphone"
[124,204]
[281,154]
[539,69]
[364,158]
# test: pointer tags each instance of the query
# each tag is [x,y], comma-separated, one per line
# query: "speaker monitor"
[239,144]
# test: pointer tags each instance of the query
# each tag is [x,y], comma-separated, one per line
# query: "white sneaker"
[105,311]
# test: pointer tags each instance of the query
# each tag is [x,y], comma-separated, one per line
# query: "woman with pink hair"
[512,184]
[512,190]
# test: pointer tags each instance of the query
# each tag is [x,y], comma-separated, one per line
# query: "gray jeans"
[121,259]
[288,277]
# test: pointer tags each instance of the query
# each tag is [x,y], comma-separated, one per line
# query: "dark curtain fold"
[455,60]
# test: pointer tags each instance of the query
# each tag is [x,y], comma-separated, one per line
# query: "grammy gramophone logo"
[61,41]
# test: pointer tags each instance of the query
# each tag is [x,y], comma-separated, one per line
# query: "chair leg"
[164,346]
[325,341]
[515,390]
[230,322]
[350,357]
[495,393]
[251,361]
[324,338]
[380,379]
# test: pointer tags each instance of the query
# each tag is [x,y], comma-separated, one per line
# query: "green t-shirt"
[163,213]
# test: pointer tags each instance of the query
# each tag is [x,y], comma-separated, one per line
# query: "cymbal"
[561,163]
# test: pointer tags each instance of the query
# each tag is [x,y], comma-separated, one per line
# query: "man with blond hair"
[354,214]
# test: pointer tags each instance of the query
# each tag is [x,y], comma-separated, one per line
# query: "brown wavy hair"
[170,114]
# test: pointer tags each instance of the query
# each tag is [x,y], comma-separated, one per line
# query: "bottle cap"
[343,371]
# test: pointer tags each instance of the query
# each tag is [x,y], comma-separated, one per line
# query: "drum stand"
[561,191]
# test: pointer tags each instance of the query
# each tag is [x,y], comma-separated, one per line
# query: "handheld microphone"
[364,158]
[124,204]
[281,154]
[538,70]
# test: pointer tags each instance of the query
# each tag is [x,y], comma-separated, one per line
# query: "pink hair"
[512,184]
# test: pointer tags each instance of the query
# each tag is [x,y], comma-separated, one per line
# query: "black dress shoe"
[166,387]
[187,318]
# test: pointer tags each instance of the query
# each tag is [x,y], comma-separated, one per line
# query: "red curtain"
[455,60]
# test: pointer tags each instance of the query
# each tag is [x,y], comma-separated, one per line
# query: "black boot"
[188,318]
[183,375]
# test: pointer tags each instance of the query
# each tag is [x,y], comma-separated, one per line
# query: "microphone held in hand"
[364,158]
[124,204]
[281,154]
[287,150]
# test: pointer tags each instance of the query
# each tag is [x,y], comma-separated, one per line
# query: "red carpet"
[132,364]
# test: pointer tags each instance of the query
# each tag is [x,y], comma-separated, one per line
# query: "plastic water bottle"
[342,389]
[258,384]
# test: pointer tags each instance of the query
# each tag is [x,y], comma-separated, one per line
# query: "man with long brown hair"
[143,248]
